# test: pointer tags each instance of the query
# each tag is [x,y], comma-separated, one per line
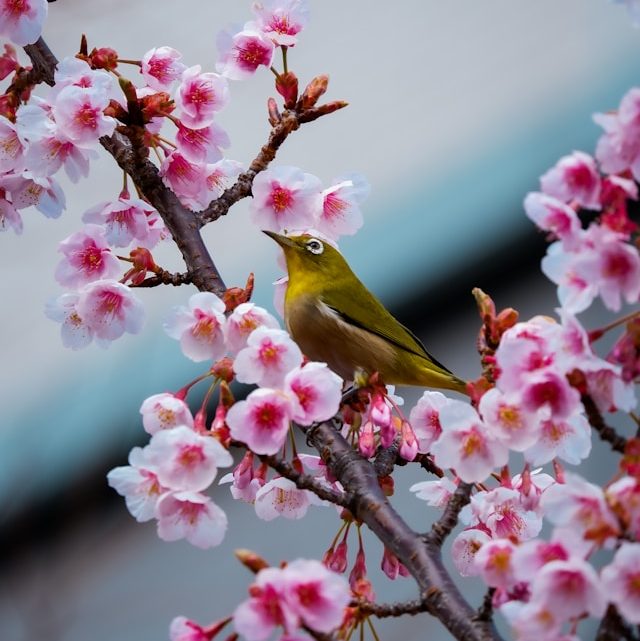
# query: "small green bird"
[334,318]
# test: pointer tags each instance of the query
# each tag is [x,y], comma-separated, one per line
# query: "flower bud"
[287,87]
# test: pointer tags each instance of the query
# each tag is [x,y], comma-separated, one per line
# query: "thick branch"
[43,61]
[606,433]
[420,557]
[449,519]
[613,628]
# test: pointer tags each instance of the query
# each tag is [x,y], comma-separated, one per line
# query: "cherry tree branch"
[613,627]
[383,610]
[606,432]
[421,557]
[441,529]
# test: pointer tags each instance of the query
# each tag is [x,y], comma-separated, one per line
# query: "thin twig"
[485,611]
[449,519]
[165,278]
[606,432]
[382,610]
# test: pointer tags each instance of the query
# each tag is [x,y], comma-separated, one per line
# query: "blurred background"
[456,108]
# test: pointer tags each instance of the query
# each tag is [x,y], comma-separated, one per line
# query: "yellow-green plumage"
[334,318]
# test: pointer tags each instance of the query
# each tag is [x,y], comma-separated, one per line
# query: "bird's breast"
[323,335]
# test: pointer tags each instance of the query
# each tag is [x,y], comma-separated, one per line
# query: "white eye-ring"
[315,246]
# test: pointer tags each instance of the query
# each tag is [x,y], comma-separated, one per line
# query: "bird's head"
[307,255]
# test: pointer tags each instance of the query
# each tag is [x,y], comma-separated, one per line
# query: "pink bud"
[338,561]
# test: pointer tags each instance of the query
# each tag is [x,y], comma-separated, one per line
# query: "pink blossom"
[257,617]
[21,20]
[505,517]
[74,330]
[316,594]
[191,516]
[435,493]
[316,392]
[125,220]
[285,198]
[160,67]
[9,216]
[532,621]
[200,96]
[12,148]
[27,190]
[79,113]
[202,145]
[110,309]
[281,20]
[164,411]
[623,497]
[241,54]
[186,460]
[608,390]
[281,497]
[531,556]
[552,215]
[494,563]
[199,327]
[243,320]
[269,355]
[466,444]
[574,178]
[73,72]
[464,549]
[551,391]
[508,421]
[581,505]
[261,421]
[8,61]
[568,589]
[621,581]
[340,213]
[425,419]
[183,629]
[87,257]
[185,178]
[619,147]
[138,483]
[218,177]
[568,439]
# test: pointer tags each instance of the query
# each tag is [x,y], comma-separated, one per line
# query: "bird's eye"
[315,246]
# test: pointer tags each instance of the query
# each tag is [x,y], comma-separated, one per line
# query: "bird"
[335,319]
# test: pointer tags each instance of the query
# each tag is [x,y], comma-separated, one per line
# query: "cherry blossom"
[621,581]
[27,190]
[464,549]
[261,421]
[425,419]
[547,389]
[110,309]
[243,320]
[79,113]
[552,215]
[186,460]
[281,497]
[574,178]
[435,493]
[191,516]
[623,497]
[281,20]
[531,556]
[340,213]
[494,563]
[160,67]
[138,483]
[316,594]
[568,439]
[87,257]
[185,178]
[164,411]
[12,148]
[240,54]
[9,216]
[22,21]
[200,96]
[257,617]
[466,444]
[74,330]
[199,327]
[504,515]
[285,198]
[73,72]
[532,621]
[316,392]
[218,177]
[268,356]
[202,145]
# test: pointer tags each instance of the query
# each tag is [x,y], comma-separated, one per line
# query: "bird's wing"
[368,313]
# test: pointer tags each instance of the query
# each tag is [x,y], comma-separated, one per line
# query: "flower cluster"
[166,479]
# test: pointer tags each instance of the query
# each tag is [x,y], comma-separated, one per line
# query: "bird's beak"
[283,241]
